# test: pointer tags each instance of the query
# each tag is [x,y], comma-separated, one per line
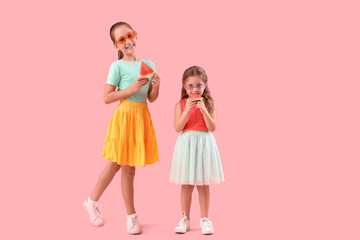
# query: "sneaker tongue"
[205,221]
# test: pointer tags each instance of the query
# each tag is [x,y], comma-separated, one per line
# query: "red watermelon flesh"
[146,71]
[195,97]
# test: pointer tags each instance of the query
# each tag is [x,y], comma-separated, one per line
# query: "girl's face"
[125,40]
[194,85]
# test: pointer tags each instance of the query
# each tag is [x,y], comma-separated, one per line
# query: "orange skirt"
[130,138]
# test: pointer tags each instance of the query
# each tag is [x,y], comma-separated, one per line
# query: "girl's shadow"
[148,227]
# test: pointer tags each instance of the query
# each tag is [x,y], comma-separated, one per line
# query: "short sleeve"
[114,76]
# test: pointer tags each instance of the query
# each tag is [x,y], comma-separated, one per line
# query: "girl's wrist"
[154,88]
[205,111]
[186,112]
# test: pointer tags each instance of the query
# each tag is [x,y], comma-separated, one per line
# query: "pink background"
[285,77]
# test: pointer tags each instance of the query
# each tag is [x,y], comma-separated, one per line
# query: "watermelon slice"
[146,71]
[196,97]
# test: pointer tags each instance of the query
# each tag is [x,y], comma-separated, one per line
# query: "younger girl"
[130,138]
[196,159]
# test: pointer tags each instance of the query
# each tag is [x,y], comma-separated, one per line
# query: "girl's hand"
[201,105]
[156,81]
[189,104]
[138,84]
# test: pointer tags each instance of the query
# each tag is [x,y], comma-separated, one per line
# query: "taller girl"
[130,139]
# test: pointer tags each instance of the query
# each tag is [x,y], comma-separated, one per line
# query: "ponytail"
[120,55]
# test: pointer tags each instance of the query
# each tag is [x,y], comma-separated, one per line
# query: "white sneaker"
[206,226]
[132,224]
[183,226]
[94,213]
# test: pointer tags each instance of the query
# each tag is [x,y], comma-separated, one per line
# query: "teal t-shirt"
[123,73]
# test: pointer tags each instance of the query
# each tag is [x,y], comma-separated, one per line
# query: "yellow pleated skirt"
[130,138]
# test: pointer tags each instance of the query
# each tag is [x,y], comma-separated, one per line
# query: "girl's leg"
[127,187]
[104,180]
[204,199]
[186,194]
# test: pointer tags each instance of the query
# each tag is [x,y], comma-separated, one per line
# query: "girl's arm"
[153,92]
[210,118]
[110,95]
[181,116]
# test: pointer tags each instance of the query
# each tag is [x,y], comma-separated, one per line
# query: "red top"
[195,119]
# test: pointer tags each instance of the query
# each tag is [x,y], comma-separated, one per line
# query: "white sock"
[131,215]
[91,201]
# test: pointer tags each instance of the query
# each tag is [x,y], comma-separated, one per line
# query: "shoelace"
[133,222]
[98,212]
[182,221]
[206,223]
[94,212]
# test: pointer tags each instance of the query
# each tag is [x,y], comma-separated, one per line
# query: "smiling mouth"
[130,46]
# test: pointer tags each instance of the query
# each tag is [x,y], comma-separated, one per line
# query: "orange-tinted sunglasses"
[130,35]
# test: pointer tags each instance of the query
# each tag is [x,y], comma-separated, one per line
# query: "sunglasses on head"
[130,35]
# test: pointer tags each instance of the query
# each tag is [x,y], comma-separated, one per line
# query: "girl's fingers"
[156,80]
[142,82]
[145,80]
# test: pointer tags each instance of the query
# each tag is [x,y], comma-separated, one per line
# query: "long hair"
[113,27]
[198,71]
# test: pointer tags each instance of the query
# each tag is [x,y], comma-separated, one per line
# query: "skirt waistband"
[125,102]
[195,131]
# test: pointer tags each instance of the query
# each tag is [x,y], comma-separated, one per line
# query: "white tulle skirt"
[196,159]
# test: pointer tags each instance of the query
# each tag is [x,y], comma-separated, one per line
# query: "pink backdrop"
[285,77]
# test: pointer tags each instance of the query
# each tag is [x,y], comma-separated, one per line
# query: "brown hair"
[113,27]
[198,71]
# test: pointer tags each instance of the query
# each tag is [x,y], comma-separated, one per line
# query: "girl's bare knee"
[114,167]
[128,170]
[188,188]
[202,188]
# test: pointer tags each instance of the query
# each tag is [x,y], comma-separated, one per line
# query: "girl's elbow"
[106,100]
[153,99]
[212,129]
[177,129]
